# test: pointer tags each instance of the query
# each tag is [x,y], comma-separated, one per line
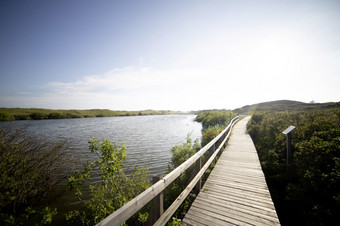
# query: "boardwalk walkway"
[236,192]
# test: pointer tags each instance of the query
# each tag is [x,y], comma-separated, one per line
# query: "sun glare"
[276,54]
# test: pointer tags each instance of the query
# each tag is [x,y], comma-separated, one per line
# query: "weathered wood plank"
[214,217]
[238,214]
[196,219]
[236,191]
[237,205]
[262,201]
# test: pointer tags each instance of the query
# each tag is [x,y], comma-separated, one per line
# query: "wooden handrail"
[133,206]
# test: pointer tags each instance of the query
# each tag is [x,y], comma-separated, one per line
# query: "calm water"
[148,138]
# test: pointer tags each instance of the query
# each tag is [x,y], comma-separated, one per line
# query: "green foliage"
[210,133]
[180,153]
[308,190]
[213,122]
[4,116]
[30,170]
[213,118]
[115,188]
[38,116]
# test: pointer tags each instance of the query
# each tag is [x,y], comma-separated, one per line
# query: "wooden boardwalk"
[236,192]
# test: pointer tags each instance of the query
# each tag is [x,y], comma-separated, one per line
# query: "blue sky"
[175,55]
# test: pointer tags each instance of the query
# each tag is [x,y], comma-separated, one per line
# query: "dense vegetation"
[180,153]
[306,192]
[213,123]
[9,114]
[30,172]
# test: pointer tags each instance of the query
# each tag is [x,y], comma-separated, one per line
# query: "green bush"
[210,133]
[115,188]
[180,153]
[30,170]
[55,115]
[4,116]
[213,118]
[38,116]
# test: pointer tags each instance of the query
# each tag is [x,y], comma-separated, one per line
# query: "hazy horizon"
[168,55]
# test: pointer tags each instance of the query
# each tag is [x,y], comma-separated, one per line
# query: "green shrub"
[38,116]
[4,116]
[210,133]
[180,153]
[30,170]
[213,123]
[213,118]
[55,115]
[115,188]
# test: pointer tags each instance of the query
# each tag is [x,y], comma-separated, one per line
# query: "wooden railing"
[155,192]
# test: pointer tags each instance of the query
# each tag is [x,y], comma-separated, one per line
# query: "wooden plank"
[241,187]
[264,201]
[238,214]
[196,219]
[214,217]
[237,205]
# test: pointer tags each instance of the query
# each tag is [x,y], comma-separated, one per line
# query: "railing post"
[212,150]
[157,208]
[197,169]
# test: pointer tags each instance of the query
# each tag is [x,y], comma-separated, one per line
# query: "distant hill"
[286,105]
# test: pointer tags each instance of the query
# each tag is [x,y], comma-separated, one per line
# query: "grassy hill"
[286,105]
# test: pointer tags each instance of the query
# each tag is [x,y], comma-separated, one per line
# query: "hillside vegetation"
[287,106]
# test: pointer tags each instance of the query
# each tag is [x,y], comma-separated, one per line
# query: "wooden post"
[287,132]
[212,150]
[197,169]
[157,208]
[289,148]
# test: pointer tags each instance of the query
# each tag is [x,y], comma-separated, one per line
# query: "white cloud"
[136,88]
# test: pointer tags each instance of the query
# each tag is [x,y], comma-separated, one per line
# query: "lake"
[148,139]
